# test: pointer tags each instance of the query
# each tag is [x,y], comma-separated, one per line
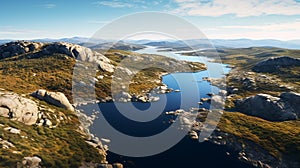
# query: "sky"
[217,19]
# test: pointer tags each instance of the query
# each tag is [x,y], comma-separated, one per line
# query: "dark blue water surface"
[187,153]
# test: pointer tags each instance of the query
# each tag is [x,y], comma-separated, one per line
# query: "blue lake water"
[187,153]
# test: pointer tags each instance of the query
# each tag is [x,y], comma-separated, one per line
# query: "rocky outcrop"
[80,53]
[18,47]
[12,130]
[35,49]
[54,98]
[69,49]
[122,97]
[245,150]
[6,144]
[275,63]
[269,107]
[217,102]
[125,97]
[31,162]
[241,81]
[293,100]
[18,108]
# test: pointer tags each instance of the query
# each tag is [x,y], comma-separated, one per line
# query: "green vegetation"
[245,58]
[27,75]
[281,139]
[148,78]
[23,74]
[63,146]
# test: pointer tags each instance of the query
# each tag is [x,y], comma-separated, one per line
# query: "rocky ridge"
[275,63]
[270,107]
[36,49]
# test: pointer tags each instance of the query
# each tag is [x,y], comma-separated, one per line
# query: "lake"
[186,153]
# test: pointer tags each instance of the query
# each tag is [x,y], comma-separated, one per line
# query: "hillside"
[279,139]
[53,70]
[257,86]
[56,138]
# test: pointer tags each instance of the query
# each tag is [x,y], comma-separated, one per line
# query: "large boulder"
[275,63]
[267,107]
[54,98]
[18,108]
[31,162]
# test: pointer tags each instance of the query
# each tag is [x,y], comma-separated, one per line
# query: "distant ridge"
[219,43]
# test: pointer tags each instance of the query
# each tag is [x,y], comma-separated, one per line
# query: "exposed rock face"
[269,107]
[39,49]
[81,53]
[55,98]
[249,81]
[274,63]
[6,144]
[18,47]
[122,97]
[217,102]
[293,99]
[31,162]
[71,50]
[246,151]
[12,130]
[18,108]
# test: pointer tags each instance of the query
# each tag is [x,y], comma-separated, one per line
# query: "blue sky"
[223,19]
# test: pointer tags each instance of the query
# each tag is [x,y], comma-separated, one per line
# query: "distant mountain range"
[244,43]
[218,43]
[235,43]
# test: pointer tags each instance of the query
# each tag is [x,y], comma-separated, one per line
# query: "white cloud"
[269,27]
[281,31]
[129,3]
[49,6]
[114,4]
[240,8]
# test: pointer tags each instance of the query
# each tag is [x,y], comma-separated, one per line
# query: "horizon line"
[165,39]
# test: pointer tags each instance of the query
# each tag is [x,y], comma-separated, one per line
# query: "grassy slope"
[23,75]
[148,78]
[26,75]
[63,146]
[279,138]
